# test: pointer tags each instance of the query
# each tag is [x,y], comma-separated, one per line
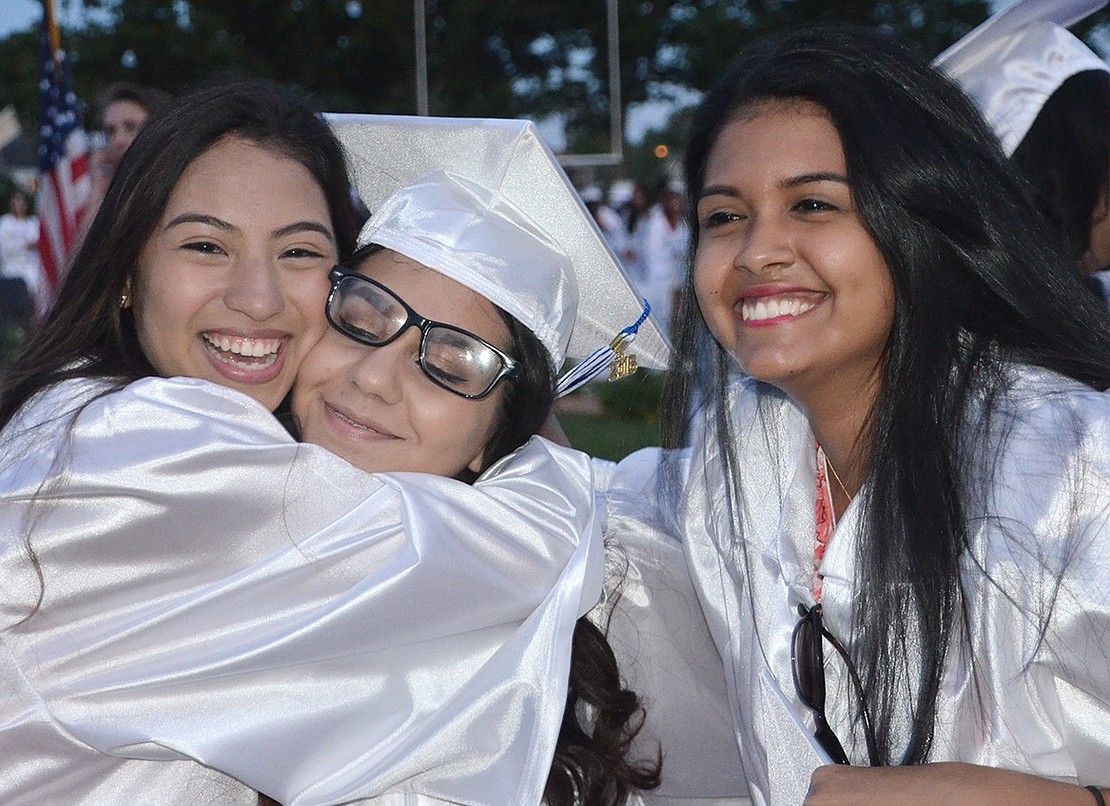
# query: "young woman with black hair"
[1065,157]
[369,404]
[1047,97]
[896,512]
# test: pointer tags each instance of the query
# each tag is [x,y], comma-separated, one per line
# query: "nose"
[383,372]
[766,244]
[255,289]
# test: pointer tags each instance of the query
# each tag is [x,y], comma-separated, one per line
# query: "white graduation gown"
[663,648]
[1045,705]
[221,604]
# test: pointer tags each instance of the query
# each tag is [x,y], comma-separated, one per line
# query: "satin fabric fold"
[220,602]
[662,644]
[1043,706]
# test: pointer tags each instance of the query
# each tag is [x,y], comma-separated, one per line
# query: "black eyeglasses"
[807,661]
[457,360]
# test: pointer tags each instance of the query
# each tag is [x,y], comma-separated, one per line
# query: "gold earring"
[124,299]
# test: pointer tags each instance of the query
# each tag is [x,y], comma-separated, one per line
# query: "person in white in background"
[19,249]
[635,213]
[606,217]
[1047,97]
[664,254]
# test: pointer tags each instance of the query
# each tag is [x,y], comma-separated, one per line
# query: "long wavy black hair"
[87,333]
[977,283]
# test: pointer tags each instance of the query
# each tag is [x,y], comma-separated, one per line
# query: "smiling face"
[375,407]
[230,287]
[787,277]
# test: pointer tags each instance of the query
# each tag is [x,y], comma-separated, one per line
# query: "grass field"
[608,437]
[610,421]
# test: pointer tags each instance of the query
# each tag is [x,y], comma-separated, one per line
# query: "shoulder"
[539,454]
[157,405]
[1041,454]
[1039,407]
[151,416]
[56,405]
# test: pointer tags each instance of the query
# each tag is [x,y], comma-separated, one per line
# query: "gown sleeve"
[1044,631]
[205,588]
[659,635]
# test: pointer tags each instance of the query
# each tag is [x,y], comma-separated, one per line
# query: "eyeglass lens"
[451,357]
[808,662]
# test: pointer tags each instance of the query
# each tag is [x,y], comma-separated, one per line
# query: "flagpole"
[52,28]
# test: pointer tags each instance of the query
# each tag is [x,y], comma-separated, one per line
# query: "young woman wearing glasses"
[899,447]
[197,607]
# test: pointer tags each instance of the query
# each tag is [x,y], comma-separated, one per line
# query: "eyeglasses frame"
[815,700]
[510,367]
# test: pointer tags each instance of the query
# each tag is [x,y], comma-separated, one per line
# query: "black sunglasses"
[807,661]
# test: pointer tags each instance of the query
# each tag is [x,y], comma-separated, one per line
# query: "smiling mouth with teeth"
[763,308]
[243,352]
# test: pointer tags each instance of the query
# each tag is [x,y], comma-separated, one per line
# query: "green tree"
[485,57]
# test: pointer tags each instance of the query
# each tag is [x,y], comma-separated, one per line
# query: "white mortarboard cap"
[485,202]
[1014,61]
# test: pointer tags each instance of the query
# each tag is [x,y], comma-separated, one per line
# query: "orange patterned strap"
[826,519]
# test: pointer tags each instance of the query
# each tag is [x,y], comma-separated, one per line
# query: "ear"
[1102,209]
[475,465]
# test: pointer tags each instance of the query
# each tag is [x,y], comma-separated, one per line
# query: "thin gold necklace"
[836,476]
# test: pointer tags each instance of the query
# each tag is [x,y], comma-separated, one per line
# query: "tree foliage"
[504,58]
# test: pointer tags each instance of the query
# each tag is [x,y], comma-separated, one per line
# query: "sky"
[19,15]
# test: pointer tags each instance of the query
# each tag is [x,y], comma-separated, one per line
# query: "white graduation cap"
[485,202]
[1014,61]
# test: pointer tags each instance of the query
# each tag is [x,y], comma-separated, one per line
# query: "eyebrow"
[220,224]
[198,218]
[792,182]
[819,176]
[305,226]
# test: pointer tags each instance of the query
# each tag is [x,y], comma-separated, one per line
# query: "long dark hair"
[87,334]
[1065,157]
[976,284]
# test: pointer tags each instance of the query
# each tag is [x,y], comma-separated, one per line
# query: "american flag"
[64,183]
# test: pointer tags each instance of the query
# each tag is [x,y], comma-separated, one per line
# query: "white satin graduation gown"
[1045,706]
[224,609]
[659,636]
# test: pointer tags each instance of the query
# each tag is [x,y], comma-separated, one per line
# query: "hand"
[941,784]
